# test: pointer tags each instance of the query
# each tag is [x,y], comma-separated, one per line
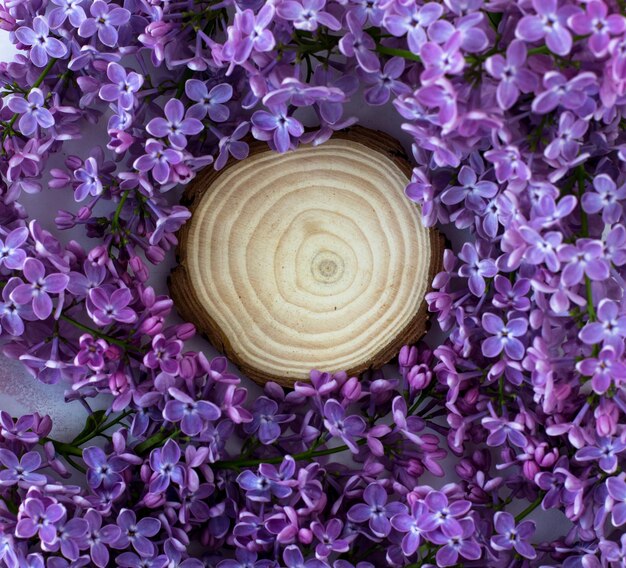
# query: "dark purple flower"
[346,428]
[43,46]
[511,296]
[500,430]
[166,467]
[358,43]
[475,269]
[610,327]
[411,525]
[275,124]
[176,125]
[12,255]
[307,14]
[549,23]
[102,470]
[136,533]
[192,414]
[105,21]
[208,102]
[99,538]
[509,164]
[266,421]
[598,24]
[376,510]
[67,9]
[38,518]
[132,560]
[292,556]
[33,111]
[246,559]
[457,543]
[158,159]
[504,336]
[605,198]
[39,288]
[22,471]
[442,514]
[166,354]
[513,77]
[260,488]
[122,87]
[511,536]
[329,537]
[110,307]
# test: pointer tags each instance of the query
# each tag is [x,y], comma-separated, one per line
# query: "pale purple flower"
[158,159]
[192,414]
[132,560]
[108,307]
[511,536]
[411,525]
[617,490]
[558,90]
[604,451]
[233,145]
[20,430]
[33,112]
[39,288]
[43,46]
[123,86]
[503,336]
[12,255]
[610,327]
[441,95]
[329,537]
[12,313]
[605,198]
[176,125]
[440,60]
[509,164]
[476,270]
[385,82]
[307,15]
[470,190]
[604,369]
[67,9]
[457,543]
[583,259]
[266,420]
[38,518]
[102,470]
[549,23]
[511,296]
[358,43]
[165,354]
[90,183]
[91,352]
[99,538]
[260,488]
[598,24]
[500,430]
[375,510]
[208,102]
[276,125]
[513,77]
[612,552]
[249,33]
[566,142]
[136,533]
[346,428]
[22,471]
[105,21]
[412,20]
[165,464]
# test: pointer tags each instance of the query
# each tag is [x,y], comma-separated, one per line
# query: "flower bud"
[352,390]
[305,536]
[407,357]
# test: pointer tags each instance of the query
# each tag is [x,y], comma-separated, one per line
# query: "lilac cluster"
[515,108]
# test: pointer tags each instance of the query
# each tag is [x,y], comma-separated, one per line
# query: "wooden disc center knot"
[327,267]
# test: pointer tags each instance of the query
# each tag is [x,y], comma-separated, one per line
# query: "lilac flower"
[274,124]
[105,21]
[111,306]
[307,15]
[566,143]
[500,430]
[605,452]
[165,354]
[21,471]
[260,488]
[442,514]
[248,559]
[208,102]
[551,23]
[604,369]
[476,270]
[606,198]
[12,314]
[67,9]
[583,259]
[250,33]
[509,164]
[33,112]
[412,20]
[233,145]
[610,327]
[176,126]
[18,430]
[37,518]
[471,190]
[442,60]
[513,77]
[504,336]
[98,538]
[158,159]
[514,536]
[43,46]
[511,296]
[329,537]
[617,490]
[102,470]
[348,429]
[411,525]
[132,560]
[123,86]
[598,25]
[192,414]
[90,183]
[457,543]
[376,510]
[39,288]
[359,44]
[266,421]
[385,82]
[559,91]
[164,464]
[136,533]
[292,556]
[12,255]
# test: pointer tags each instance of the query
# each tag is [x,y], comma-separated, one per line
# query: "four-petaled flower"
[33,112]
[43,45]
[39,288]
[511,536]
[192,414]
[176,125]
[376,510]
[105,20]
[123,86]
[503,336]
[107,307]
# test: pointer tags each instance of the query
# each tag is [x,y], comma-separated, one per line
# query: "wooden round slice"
[313,259]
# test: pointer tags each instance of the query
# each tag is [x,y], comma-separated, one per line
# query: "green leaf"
[93,422]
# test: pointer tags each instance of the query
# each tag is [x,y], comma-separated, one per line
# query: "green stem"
[153,441]
[528,510]
[99,334]
[63,448]
[398,52]
[103,428]
[115,222]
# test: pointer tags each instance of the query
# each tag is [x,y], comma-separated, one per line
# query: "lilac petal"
[158,127]
[361,512]
[42,305]
[149,526]
[619,514]
[380,525]
[26,528]
[108,35]
[55,48]
[492,347]
[447,556]
[119,16]
[56,283]
[591,334]
[616,488]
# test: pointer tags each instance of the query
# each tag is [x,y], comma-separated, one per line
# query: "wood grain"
[312,259]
